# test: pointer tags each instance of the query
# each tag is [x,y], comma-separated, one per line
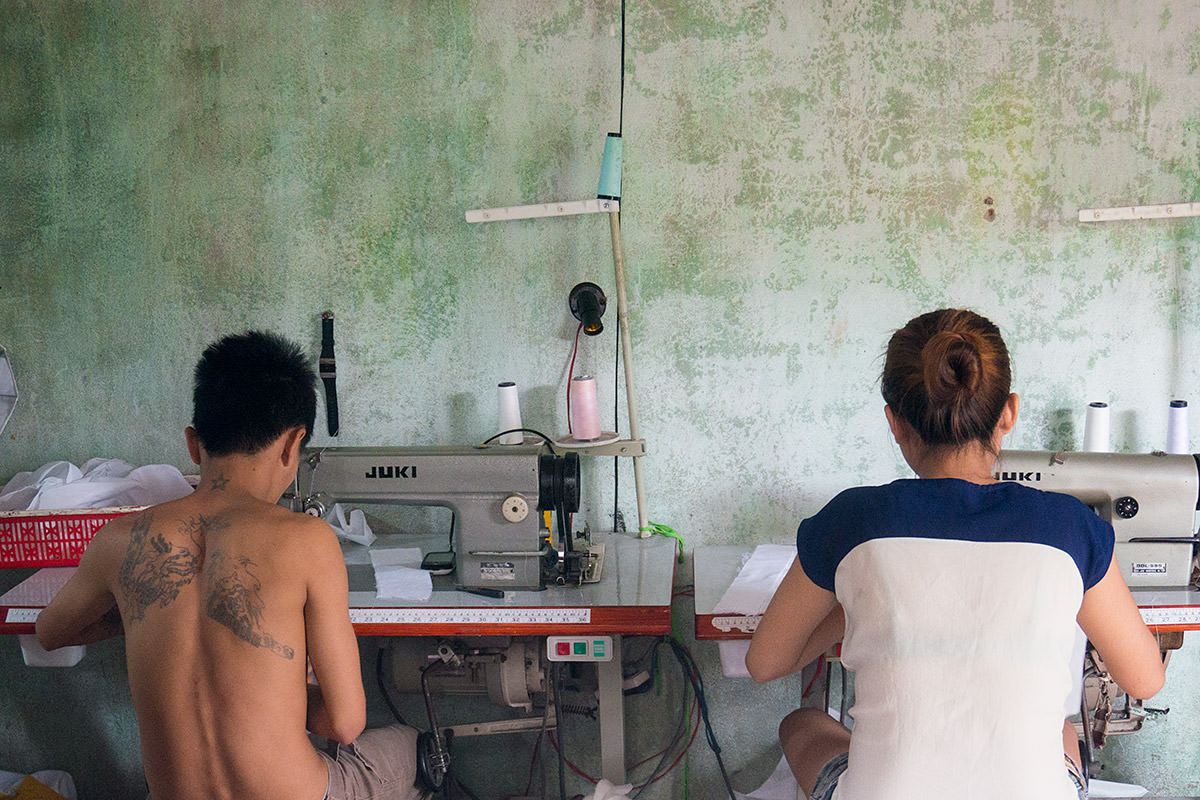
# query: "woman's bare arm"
[1110,618]
[802,621]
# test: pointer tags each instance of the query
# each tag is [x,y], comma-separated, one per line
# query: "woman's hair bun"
[952,367]
[947,374]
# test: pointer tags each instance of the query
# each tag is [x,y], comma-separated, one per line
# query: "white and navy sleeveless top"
[960,605]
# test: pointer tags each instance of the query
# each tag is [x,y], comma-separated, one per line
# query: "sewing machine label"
[498,570]
[472,616]
[1148,568]
[392,471]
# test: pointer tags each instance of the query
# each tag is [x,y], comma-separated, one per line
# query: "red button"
[564,648]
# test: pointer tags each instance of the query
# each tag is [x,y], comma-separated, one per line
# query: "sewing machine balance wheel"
[558,479]
[432,761]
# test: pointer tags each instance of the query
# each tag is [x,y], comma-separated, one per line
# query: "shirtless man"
[225,598]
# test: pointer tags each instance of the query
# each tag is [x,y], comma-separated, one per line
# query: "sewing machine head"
[495,494]
[1149,498]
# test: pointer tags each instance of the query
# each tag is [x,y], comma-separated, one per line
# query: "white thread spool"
[510,413]
[1178,440]
[585,413]
[1096,428]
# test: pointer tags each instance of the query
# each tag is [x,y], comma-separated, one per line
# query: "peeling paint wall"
[800,179]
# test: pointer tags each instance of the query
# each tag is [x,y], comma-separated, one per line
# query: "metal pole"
[614,221]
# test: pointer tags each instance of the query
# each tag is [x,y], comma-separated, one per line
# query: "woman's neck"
[972,462]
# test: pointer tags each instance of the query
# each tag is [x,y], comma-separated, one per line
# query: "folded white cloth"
[398,574]
[101,483]
[356,530]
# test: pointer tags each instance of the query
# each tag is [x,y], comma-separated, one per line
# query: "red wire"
[673,742]
[682,753]
[811,681]
[571,374]
[675,763]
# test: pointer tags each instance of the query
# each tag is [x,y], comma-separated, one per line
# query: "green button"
[581,648]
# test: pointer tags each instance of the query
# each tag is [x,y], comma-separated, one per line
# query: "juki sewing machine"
[1151,501]
[494,493]
[1149,498]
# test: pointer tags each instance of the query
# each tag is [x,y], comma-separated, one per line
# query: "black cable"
[549,442]
[693,674]
[621,114]
[556,680]
[383,688]
[681,730]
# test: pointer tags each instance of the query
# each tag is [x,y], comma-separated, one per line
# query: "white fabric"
[398,574]
[913,609]
[101,483]
[605,790]
[356,530]
[750,594]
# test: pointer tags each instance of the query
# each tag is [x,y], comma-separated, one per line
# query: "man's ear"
[293,441]
[195,449]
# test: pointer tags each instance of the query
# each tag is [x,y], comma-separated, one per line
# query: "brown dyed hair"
[947,374]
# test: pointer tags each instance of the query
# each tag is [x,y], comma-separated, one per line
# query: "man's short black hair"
[250,388]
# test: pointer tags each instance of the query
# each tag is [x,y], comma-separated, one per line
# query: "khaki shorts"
[381,764]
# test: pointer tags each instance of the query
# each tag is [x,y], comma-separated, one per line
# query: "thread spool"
[510,413]
[1178,440]
[1096,428]
[585,412]
[609,187]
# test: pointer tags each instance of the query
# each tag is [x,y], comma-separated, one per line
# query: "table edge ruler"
[1171,615]
[21,615]
[746,623]
[470,616]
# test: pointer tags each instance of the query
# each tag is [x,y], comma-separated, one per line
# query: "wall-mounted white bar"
[1164,211]
[564,209]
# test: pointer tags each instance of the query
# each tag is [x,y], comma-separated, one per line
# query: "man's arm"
[802,621]
[84,610]
[337,706]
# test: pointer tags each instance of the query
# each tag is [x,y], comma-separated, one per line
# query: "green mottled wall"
[800,179]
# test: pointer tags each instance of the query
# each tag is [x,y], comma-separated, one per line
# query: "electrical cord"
[570,378]
[681,728]
[693,675]
[387,698]
[549,442]
[558,729]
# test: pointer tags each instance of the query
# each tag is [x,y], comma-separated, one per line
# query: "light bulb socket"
[587,303]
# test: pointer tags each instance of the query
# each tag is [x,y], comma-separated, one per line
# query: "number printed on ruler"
[472,616]
[1171,615]
[22,615]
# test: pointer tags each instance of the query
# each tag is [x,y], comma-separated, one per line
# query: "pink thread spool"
[585,414]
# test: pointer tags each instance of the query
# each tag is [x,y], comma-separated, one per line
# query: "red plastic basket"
[51,538]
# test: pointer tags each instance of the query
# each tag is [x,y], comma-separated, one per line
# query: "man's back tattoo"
[235,601]
[154,569]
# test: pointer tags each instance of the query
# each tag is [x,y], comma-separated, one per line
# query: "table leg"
[611,699]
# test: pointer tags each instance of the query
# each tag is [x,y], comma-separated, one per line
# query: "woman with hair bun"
[955,597]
